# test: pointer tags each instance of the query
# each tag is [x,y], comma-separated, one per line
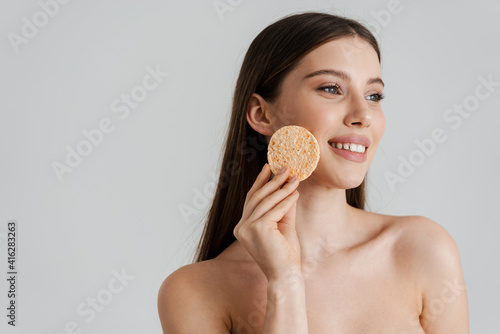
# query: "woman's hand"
[267,226]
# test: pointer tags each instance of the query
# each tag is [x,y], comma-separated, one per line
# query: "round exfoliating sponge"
[295,147]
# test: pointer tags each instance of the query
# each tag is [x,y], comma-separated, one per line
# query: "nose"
[358,113]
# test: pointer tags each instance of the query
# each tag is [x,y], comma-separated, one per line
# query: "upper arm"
[441,280]
[186,306]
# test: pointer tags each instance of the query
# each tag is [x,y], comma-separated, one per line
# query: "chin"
[347,180]
[349,183]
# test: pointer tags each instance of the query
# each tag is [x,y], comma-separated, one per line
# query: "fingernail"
[282,170]
[292,179]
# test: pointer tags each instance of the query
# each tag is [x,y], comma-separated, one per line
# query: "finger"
[273,199]
[267,189]
[260,181]
[287,227]
[277,213]
[288,220]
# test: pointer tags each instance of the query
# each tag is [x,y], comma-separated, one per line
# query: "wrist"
[287,281]
[286,292]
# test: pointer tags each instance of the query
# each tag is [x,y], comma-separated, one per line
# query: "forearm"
[286,306]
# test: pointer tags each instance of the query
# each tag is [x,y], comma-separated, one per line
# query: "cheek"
[380,128]
[287,114]
[301,108]
[313,113]
[322,121]
[316,116]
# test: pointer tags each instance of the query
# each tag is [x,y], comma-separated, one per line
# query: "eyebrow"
[343,75]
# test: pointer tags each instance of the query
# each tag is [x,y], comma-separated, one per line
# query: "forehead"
[350,54]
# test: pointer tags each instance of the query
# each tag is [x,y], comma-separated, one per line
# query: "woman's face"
[334,91]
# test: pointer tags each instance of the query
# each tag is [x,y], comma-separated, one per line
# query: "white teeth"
[350,147]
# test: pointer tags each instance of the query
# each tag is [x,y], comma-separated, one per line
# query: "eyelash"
[380,97]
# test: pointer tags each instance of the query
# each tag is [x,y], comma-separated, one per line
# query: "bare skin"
[356,271]
[366,288]
[374,286]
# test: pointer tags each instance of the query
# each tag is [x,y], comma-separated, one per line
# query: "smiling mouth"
[351,147]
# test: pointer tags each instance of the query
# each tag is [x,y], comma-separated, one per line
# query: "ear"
[258,115]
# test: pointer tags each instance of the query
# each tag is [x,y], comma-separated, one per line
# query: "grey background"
[120,209]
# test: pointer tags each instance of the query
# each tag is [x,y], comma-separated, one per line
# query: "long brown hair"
[270,57]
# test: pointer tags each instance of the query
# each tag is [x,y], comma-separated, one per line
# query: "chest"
[362,294]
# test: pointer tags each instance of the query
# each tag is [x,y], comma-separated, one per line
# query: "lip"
[354,139]
[351,156]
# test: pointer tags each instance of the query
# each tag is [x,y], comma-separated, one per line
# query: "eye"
[375,97]
[334,89]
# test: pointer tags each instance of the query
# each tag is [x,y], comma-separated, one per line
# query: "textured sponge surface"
[295,147]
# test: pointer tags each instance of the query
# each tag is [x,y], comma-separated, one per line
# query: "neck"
[325,223]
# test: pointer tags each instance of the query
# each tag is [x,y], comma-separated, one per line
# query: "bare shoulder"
[190,300]
[422,242]
[429,254]
[409,231]
[424,236]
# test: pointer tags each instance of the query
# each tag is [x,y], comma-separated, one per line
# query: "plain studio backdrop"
[113,115]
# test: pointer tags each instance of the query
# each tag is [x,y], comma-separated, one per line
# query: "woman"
[304,257]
